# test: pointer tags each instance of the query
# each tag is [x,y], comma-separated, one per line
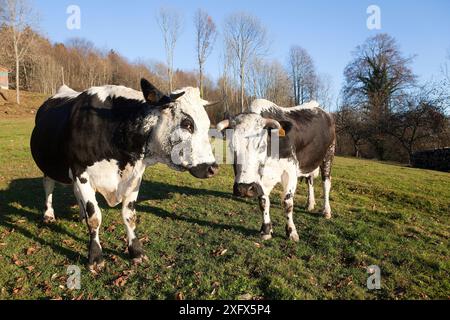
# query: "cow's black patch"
[132,205]
[288,231]
[309,134]
[262,203]
[95,252]
[76,133]
[136,249]
[90,209]
[83,180]
[266,229]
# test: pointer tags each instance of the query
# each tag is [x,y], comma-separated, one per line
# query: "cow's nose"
[204,170]
[246,190]
[212,170]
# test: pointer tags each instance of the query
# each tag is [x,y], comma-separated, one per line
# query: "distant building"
[4,84]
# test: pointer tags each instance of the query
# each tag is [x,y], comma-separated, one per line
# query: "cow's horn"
[223,125]
[212,104]
[273,124]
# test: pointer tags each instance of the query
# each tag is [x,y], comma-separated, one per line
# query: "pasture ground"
[203,244]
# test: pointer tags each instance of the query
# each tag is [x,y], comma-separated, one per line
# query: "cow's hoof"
[310,206]
[96,267]
[294,237]
[139,260]
[266,237]
[49,219]
[327,215]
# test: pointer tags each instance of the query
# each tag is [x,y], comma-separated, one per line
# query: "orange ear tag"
[282,133]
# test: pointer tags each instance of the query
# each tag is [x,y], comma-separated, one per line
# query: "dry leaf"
[16,260]
[120,281]
[246,296]
[30,251]
[179,296]
[220,252]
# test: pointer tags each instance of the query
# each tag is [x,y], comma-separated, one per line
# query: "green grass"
[391,216]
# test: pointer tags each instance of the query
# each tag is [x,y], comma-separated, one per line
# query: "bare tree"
[421,118]
[205,37]
[169,22]
[446,69]
[303,75]
[269,80]
[324,93]
[247,38]
[376,81]
[19,18]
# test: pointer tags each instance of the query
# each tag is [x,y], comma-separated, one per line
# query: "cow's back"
[310,135]
[48,137]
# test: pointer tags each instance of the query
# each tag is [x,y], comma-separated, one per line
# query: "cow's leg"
[289,182]
[49,186]
[93,221]
[82,215]
[268,183]
[311,202]
[326,179]
[135,248]
[266,228]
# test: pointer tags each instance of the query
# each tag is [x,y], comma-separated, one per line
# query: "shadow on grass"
[24,199]
[161,213]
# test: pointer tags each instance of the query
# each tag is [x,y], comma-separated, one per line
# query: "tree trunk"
[201,79]
[17,77]
[242,88]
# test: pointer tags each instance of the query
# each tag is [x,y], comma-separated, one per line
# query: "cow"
[101,140]
[306,141]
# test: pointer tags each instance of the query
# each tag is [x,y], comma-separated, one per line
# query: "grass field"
[203,243]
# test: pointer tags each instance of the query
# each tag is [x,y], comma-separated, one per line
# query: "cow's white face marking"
[183,131]
[249,144]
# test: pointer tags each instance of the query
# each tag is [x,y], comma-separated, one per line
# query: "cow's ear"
[151,94]
[286,126]
[175,96]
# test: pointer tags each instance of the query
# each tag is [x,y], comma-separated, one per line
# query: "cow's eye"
[187,125]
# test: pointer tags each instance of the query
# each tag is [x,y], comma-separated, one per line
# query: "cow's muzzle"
[204,170]
[247,190]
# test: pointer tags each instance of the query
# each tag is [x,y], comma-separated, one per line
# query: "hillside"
[30,102]
[204,243]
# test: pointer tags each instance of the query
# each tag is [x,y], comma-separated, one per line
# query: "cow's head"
[181,131]
[249,141]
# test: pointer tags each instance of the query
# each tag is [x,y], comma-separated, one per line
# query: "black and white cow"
[101,140]
[306,146]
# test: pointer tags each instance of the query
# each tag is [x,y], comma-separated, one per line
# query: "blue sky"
[329,30]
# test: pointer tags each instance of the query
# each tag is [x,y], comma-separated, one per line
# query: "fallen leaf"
[120,281]
[246,296]
[30,251]
[179,296]
[220,252]
[17,290]
[16,260]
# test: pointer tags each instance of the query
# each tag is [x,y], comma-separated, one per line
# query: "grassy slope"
[391,216]
[30,102]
